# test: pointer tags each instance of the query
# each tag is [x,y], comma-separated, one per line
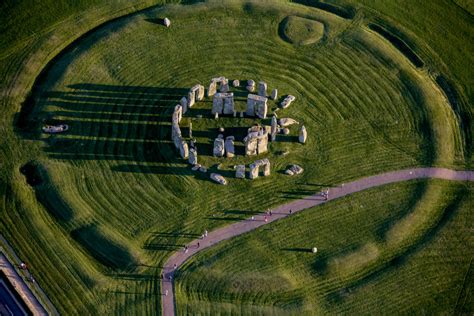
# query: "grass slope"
[361,267]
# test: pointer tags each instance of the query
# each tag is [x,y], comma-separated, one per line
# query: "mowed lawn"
[363,264]
[115,200]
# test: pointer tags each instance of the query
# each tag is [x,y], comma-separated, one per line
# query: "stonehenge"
[257,138]
[223,86]
[256,106]
[196,93]
[223,103]
[287,101]
[256,141]
[255,168]
[302,135]
[262,89]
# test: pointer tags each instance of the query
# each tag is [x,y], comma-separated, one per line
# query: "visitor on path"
[266,219]
[291,211]
[198,244]
[205,233]
[327,194]
[174,266]
[253,217]
[185,249]
[271,213]
[166,293]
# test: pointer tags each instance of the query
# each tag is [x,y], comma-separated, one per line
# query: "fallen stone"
[285,131]
[287,101]
[294,170]
[218,178]
[203,169]
[196,167]
[286,121]
[303,135]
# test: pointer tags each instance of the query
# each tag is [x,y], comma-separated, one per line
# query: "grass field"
[111,200]
[361,266]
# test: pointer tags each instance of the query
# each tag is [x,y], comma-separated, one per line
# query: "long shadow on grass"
[107,252]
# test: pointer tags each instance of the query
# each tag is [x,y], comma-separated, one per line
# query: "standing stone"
[190,129]
[303,135]
[262,143]
[257,106]
[199,92]
[241,114]
[219,147]
[212,89]
[184,104]
[191,99]
[228,103]
[166,22]
[266,168]
[262,89]
[240,171]
[229,147]
[183,149]
[193,156]
[224,87]
[274,128]
[253,171]
[274,95]
[250,146]
[250,85]
[178,109]
[236,83]
[216,116]
[217,103]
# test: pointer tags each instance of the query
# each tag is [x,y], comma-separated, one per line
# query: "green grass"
[301,31]
[116,201]
[362,267]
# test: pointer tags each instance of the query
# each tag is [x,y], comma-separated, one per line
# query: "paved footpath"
[224,233]
[20,286]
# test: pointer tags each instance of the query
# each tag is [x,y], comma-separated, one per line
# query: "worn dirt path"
[224,233]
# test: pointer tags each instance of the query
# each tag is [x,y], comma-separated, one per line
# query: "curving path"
[178,258]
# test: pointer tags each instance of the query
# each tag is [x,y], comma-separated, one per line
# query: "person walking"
[205,233]
[266,219]
[174,266]
[166,293]
[291,211]
[198,244]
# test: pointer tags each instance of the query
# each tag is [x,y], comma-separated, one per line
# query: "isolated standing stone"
[303,135]
[274,95]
